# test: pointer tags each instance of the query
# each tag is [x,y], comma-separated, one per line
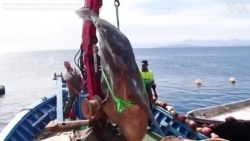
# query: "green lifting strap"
[120,103]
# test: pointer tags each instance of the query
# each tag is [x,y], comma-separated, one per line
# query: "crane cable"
[117,4]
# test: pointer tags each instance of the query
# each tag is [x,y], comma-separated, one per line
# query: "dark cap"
[144,62]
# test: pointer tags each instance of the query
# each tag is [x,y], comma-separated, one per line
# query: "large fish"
[118,63]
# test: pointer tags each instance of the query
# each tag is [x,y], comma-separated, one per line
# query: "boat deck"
[238,110]
[243,114]
[68,136]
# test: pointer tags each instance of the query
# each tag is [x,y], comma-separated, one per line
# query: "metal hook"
[117,3]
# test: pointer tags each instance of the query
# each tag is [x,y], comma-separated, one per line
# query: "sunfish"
[119,66]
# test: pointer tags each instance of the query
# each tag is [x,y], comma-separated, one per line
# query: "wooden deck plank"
[59,137]
[66,136]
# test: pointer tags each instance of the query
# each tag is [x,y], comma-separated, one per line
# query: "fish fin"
[140,100]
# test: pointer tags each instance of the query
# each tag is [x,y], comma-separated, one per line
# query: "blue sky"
[146,23]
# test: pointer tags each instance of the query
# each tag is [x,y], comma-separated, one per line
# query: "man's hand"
[153,86]
[154,97]
[154,90]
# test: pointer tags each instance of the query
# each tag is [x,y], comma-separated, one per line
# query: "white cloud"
[143,21]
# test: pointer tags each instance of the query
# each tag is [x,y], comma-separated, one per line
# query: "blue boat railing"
[31,121]
[171,126]
[42,118]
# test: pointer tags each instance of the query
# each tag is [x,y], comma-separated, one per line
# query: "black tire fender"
[2,90]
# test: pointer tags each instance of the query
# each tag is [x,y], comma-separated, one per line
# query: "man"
[74,81]
[148,79]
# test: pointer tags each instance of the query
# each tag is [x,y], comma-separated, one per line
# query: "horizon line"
[156,47]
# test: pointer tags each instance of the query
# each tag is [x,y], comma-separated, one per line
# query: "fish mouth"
[85,13]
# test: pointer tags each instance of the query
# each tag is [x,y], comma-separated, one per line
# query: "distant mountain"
[216,43]
[198,43]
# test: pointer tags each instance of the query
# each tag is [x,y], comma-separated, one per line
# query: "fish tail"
[156,124]
[150,115]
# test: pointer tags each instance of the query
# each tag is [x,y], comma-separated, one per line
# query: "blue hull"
[31,121]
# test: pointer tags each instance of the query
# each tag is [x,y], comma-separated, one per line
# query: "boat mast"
[88,40]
